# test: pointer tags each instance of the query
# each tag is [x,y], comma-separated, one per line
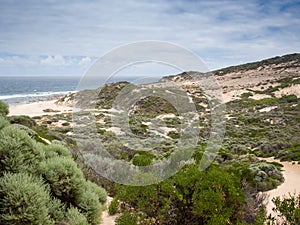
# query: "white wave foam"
[33,95]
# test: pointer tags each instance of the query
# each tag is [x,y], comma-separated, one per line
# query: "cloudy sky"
[40,37]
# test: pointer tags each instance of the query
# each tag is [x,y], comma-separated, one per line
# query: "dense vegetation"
[42,184]
[214,196]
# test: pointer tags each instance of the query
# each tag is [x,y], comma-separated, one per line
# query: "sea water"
[15,90]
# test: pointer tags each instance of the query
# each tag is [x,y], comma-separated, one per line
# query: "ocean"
[14,90]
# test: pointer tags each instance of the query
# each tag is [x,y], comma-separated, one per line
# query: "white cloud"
[56,60]
[221,32]
[18,61]
[85,61]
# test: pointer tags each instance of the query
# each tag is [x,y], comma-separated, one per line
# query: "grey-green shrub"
[99,191]
[64,177]
[41,184]
[3,109]
[57,209]
[89,204]
[74,217]
[3,122]
[24,200]
[55,150]
[18,152]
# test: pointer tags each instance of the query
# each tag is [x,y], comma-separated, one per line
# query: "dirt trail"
[291,173]
[106,218]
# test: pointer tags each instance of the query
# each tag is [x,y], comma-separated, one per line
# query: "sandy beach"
[37,108]
[291,173]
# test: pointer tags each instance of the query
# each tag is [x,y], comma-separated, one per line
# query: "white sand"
[294,89]
[291,173]
[36,108]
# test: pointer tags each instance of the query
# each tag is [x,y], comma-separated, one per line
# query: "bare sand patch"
[294,89]
[36,108]
[291,184]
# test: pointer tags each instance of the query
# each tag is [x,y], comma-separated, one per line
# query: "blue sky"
[65,37]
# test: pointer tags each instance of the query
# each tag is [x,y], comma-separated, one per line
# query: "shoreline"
[37,108]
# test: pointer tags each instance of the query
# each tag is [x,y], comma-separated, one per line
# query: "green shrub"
[23,120]
[99,191]
[74,217]
[113,207]
[126,219]
[24,200]
[191,195]
[89,204]
[288,209]
[64,177]
[55,150]
[56,209]
[18,152]
[141,160]
[65,124]
[3,109]
[3,122]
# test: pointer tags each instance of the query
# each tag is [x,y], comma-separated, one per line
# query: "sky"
[65,37]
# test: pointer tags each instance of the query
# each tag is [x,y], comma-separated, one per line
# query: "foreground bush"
[3,109]
[74,217]
[189,197]
[3,122]
[41,184]
[63,176]
[18,152]
[24,200]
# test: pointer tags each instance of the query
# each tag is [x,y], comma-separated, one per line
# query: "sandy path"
[106,218]
[291,173]
[36,108]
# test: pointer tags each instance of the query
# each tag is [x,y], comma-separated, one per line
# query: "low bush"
[3,109]
[126,219]
[89,204]
[63,176]
[24,120]
[41,184]
[3,122]
[18,152]
[113,207]
[24,200]
[74,217]
[288,209]
[55,150]
[99,191]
